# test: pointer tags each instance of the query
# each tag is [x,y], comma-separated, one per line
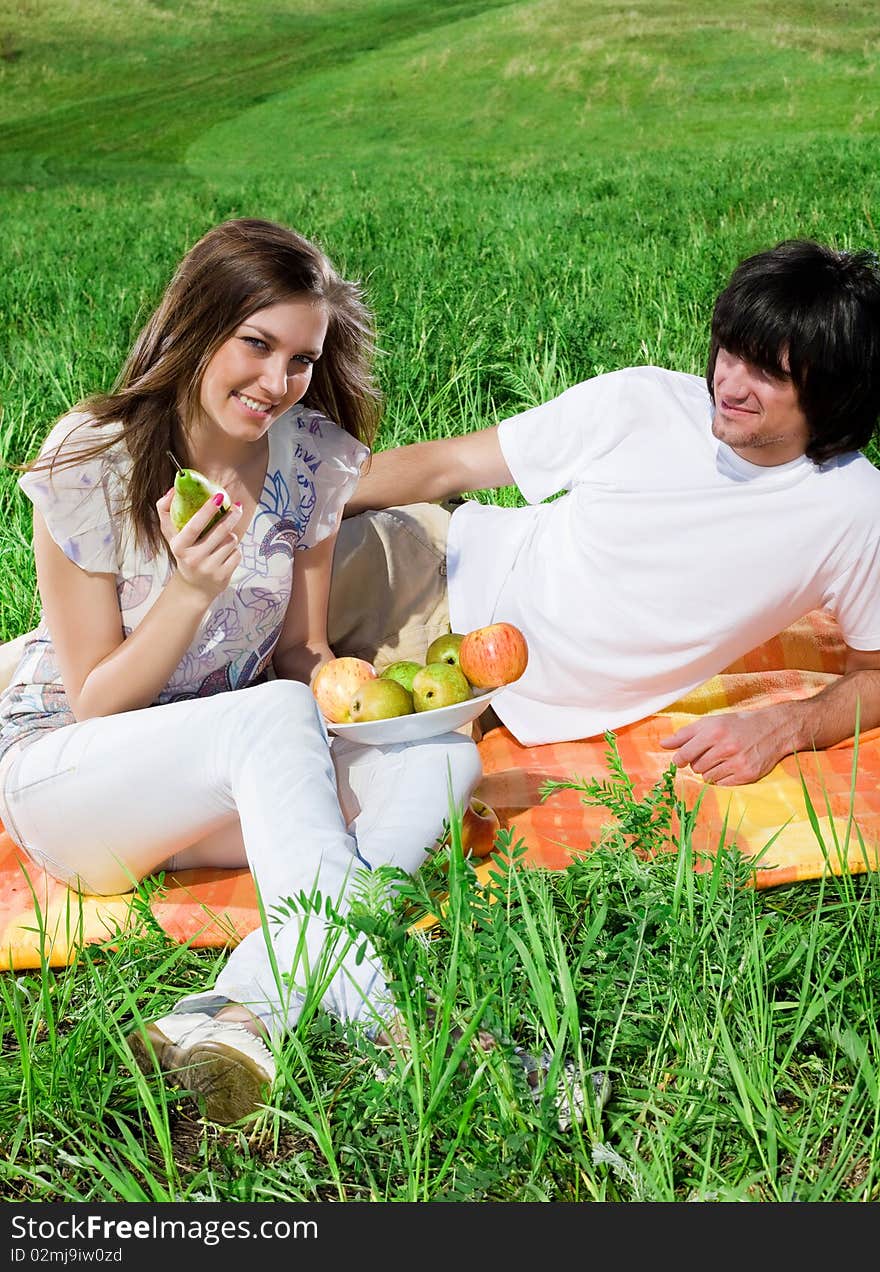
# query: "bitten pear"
[191,490]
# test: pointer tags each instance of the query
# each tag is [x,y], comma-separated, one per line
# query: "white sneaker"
[220,1060]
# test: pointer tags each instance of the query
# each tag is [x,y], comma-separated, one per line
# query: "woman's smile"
[262,410]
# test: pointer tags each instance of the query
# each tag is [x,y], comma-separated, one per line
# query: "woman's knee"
[452,760]
[465,765]
[289,699]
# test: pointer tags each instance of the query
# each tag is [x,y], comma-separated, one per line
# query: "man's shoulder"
[853,467]
[647,379]
[635,380]
[666,380]
[854,473]
[850,485]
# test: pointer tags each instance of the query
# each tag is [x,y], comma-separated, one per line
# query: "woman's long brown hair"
[236,269]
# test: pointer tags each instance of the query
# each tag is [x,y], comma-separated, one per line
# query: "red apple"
[494,655]
[335,684]
[479,825]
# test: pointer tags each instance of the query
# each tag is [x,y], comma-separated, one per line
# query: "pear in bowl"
[379,699]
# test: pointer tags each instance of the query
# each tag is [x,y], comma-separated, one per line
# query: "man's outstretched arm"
[740,746]
[427,471]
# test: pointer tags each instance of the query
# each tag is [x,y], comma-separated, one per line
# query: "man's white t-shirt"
[669,556]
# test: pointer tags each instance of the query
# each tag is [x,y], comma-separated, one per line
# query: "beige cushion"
[388,593]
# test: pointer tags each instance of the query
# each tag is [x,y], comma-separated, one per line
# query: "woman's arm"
[302,646]
[104,673]
[427,471]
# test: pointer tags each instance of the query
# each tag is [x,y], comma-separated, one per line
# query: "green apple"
[402,671]
[379,699]
[444,649]
[439,684]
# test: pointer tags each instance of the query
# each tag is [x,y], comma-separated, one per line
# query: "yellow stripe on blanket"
[43,921]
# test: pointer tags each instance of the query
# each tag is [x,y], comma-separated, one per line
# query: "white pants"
[239,778]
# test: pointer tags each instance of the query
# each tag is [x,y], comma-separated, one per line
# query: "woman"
[161,715]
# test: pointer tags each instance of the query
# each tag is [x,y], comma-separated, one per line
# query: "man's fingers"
[697,751]
[716,773]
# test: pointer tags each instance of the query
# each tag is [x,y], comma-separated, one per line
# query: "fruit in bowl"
[379,699]
[402,671]
[335,684]
[439,684]
[445,648]
[494,655]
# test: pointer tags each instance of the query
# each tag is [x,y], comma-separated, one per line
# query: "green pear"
[444,648]
[439,684]
[379,700]
[191,489]
[402,671]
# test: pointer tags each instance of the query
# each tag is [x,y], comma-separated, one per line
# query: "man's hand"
[731,749]
[741,746]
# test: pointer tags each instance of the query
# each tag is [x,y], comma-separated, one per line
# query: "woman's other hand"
[204,564]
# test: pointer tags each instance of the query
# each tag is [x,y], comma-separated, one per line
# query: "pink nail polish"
[218,500]
[238,503]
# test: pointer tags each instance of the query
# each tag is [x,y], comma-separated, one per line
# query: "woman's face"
[263,368]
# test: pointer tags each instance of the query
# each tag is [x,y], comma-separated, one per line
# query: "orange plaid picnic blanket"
[769,820]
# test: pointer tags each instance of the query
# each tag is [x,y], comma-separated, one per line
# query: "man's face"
[757,413]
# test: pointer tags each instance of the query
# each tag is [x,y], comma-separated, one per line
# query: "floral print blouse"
[313,467]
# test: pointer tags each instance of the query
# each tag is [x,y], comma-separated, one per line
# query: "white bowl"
[418,725]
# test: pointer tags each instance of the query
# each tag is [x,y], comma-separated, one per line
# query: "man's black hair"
[819,309]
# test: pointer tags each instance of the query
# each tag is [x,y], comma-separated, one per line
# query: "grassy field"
[532,193]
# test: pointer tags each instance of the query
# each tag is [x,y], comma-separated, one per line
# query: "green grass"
[738,1031]
[533,193]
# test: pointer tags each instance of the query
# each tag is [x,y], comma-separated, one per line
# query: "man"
[699,519]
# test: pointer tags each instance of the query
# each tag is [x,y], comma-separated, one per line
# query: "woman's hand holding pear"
[205,561]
